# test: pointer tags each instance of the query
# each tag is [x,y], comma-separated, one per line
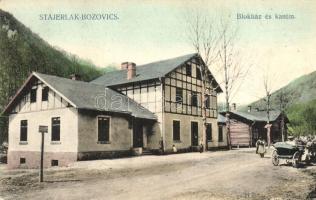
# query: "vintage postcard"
[147,99]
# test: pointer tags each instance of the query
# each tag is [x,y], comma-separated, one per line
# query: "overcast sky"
[147,31]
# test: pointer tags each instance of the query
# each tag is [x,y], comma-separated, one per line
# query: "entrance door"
[137,134]
[194,134]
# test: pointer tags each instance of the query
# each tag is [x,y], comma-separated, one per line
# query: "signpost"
[42,130]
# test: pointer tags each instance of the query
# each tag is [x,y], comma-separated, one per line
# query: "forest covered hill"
[22,51]
[298,91]
[298,99]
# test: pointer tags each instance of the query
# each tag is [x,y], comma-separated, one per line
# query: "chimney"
[234,107]
[249,108]
[131,70]
[75,77]
[124,65]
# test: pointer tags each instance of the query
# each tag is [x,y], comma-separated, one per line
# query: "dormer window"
[33,95]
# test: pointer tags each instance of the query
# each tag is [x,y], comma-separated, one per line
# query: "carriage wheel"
[275,158]
[296,159]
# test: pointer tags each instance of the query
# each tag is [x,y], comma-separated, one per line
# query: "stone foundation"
[32,159]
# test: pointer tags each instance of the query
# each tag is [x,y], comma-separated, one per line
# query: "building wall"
[215,142]
[185,131]
[64,150]
[146,93]
[121,133]
[149,95]
[240,133]
[153,134]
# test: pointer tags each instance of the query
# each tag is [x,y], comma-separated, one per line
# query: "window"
[209,132]
[176,130]
[33,95]
[22,160]
[179,95]
[45,91]
[198,73]
[194,99]
[188,70]
[54,163]
[103,129]
[207,101]
[23,130]
[56,129]
[220,133]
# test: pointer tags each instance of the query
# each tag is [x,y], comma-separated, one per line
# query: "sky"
[146,31]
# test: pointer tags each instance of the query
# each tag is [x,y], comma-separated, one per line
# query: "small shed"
[247,127]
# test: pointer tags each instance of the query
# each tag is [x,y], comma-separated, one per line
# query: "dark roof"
[259,116]
[148,71]
[83,95]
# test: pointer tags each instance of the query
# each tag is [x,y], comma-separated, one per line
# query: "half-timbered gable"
[184,89]
[37,97]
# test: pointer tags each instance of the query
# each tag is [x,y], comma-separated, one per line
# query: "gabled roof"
[258,116]
[148,71]
[83,95]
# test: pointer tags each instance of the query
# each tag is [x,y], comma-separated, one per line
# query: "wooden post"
[268,127]
[42,158]
[42,130]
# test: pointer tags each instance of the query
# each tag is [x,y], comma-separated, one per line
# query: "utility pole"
[42,130]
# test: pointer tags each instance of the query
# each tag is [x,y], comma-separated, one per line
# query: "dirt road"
[237,174]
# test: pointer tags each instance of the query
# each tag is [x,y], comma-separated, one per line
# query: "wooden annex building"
[247,126]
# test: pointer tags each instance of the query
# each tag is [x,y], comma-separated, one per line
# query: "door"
[137,134]
[194,134]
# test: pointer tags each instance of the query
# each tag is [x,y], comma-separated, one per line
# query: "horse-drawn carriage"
[295,154]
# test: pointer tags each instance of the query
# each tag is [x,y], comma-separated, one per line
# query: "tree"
[215,44]
[204,39]
[267,88]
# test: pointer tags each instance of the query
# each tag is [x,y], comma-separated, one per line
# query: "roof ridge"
[192,54]
[68,79]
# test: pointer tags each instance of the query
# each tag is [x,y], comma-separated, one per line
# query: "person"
[161,149]
[201,148]
[174,149]
[260,147]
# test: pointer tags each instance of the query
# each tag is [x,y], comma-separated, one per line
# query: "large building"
[155,107]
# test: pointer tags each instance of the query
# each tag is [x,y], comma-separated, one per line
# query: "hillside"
[300,104]
[300,90]
[22,51]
